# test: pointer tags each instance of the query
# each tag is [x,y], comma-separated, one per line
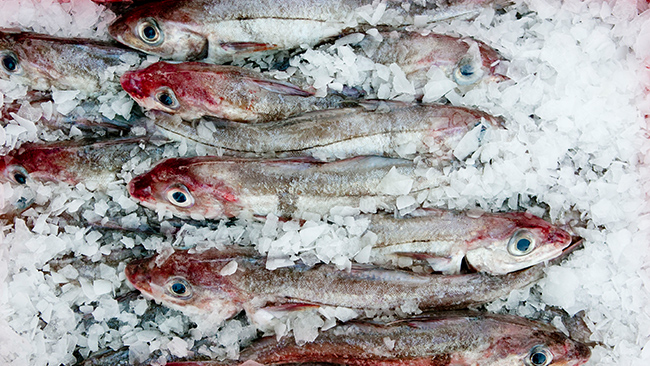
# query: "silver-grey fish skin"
[486,241]
[217,187]
[447,338]
[44,62]
[464,60]
[219,30]
[211,295]
[375,128]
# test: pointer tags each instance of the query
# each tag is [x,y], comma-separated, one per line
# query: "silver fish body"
[496,243]
[447,338]
[199,284]
[219,30]
[44,62]
[214,187]
[374,128]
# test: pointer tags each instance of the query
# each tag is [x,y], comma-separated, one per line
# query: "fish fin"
[446,265]
[374,273]
[247,47]
[279,87]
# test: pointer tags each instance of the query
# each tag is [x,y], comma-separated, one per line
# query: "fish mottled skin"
[443,339]
[208,295]
[219,30]
[94,163]
[496,243]
[373,128]
[192,90]
[44,62]
[217,187]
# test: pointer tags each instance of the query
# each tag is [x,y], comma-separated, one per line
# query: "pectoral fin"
[280,87]
[247,47]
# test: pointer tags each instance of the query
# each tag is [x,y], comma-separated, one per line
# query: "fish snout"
[118,28]
[577,352]
[140,188]
[559,237]
[138,273]
[131,83]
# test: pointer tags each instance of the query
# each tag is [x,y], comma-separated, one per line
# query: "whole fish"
[464,60]
[200,285]
[44,62]
[219,30]
[214,188]
[452,338]
[94,163]
[372,128]
[495,243]
[194,89]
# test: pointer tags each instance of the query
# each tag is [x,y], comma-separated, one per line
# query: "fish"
[212,187]
[447,338]
[92,162]
[495,243]
[44,62]
[193,90]
[214,285]
[464,60]
[369,128]
[221,30]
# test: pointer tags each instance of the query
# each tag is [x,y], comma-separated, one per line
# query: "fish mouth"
[117,28]
[131,83]
[137,274]
[140,188]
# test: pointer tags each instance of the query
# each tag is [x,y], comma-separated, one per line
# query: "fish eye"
[539,356]
[466,72]
[178,287]
[167,98]
[149,32]
[10,63]
[180,196]
[521,243]
[18,174]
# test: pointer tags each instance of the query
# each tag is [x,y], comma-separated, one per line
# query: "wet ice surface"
[574,151]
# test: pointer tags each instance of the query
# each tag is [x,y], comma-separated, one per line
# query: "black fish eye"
[466,70]
[521,243]
[20,178]
[539,356]
[10,63]
[179,195]
[178,287]
[149,32]
[165,99]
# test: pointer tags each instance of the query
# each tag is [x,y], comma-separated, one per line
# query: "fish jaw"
[178,41]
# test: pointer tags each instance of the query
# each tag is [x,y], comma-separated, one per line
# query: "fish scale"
[221,30]
[372,128]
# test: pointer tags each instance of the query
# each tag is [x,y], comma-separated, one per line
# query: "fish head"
[516,241]
[183,89]
[187,282]
[172,185]
[530,343]
[20,61]
[479,63]
[36,163]
[161,29]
